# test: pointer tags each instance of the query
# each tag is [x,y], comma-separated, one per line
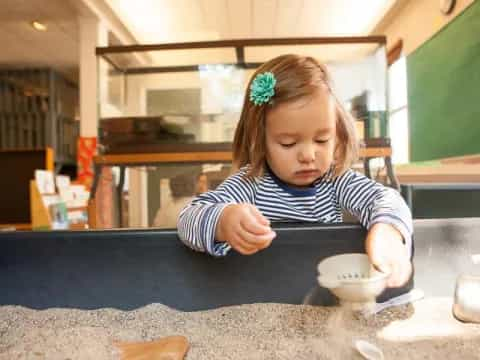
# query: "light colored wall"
[92,33]
[137,86]
[416,22]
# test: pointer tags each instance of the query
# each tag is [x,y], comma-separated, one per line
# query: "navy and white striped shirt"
[323,202]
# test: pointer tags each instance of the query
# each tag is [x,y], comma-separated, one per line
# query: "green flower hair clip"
[262,88]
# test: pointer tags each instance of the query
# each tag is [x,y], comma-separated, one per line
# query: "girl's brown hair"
[296,77]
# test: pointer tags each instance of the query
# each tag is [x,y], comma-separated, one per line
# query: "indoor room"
[224,179]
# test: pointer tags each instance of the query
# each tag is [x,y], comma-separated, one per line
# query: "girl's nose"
[306,154]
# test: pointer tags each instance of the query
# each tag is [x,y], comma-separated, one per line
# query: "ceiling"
[173,21]
[196,20]
[24,46]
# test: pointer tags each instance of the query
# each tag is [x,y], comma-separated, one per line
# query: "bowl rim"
[378,276]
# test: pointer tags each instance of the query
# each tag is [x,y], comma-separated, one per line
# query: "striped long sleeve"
[197,222]
[373,203]
[369,201]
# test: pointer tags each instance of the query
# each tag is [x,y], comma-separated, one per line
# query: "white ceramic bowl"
[352,278]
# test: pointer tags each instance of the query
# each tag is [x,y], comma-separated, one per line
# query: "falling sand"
[256,331]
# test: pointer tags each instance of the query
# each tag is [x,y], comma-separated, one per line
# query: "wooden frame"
[394,53]
[141,159]
[238,44]
[160,158]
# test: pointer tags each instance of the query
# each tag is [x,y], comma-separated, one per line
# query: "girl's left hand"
[386,250]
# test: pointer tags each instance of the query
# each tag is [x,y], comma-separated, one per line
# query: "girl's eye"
[288,145]
[319,141]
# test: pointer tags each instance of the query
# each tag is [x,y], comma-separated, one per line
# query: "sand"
[425,330]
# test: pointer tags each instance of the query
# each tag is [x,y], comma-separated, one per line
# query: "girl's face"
[300,138]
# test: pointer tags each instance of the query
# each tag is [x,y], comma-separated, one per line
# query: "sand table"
[426,330]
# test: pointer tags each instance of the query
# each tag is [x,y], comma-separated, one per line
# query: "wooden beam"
[375,152]
[394,53]
[378,39]
[16,226]
[152,158]
[240,52]
[199,156]
[112,64]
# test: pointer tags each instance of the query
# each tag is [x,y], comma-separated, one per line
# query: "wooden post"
[40,216]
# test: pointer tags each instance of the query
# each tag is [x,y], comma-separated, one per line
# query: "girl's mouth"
[307,173]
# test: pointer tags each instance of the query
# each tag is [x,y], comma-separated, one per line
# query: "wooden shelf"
[137,159]
[159,158]
[17,226]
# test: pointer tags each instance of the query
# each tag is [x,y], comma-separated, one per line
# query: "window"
[398,111]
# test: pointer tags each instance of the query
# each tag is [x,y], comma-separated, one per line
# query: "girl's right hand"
[244,228]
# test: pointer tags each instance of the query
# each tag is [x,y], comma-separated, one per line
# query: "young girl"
[294,145]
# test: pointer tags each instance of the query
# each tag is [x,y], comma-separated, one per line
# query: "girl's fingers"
[245,251]
[405,273]
[265,240]
[259,216]
[259,241]
[394,278]
[391,269]
[400,274]
[241,246]
[253,225]
[252,231]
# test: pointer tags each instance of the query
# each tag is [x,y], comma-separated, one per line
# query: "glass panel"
[196,102]
[361,85]
[181,57]
[111,90]
[171,189]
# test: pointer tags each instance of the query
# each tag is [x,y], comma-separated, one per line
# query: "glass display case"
[191,93]
[186,98]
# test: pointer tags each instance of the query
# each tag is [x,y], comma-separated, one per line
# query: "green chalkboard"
[444,90]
